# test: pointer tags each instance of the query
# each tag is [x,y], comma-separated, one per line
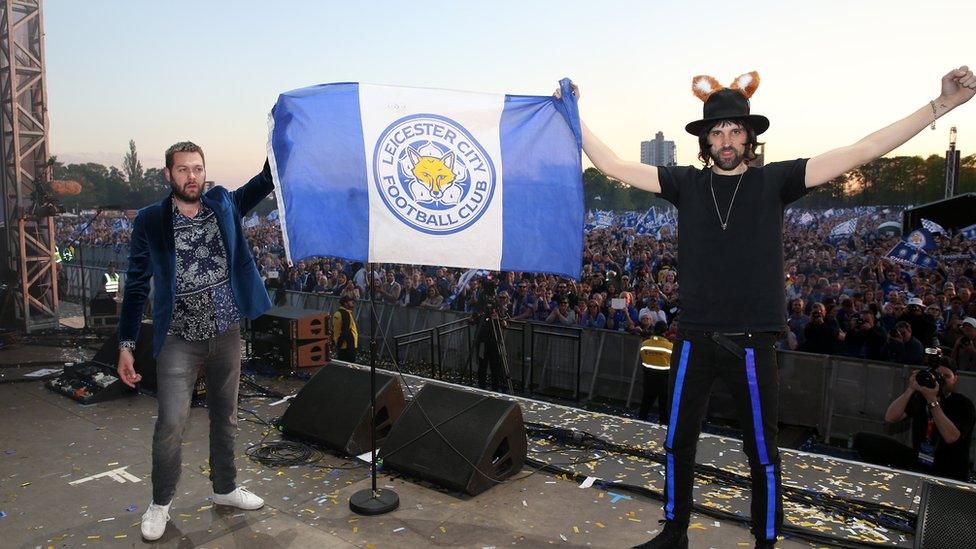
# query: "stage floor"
[50,445]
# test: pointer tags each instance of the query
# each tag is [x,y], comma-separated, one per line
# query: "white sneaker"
[240,498]
[154,521]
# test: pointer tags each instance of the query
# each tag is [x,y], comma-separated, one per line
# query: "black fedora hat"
[726,103]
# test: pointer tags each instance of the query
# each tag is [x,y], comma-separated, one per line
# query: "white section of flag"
[391,241]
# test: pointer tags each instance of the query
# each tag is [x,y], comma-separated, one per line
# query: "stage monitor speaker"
[483,430]
[288,354]
[332,409]
[145,364]
[945,517]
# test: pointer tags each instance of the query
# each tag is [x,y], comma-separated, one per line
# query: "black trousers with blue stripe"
[697,361]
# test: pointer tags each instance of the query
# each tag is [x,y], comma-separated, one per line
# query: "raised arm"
[958,86]
[632,173]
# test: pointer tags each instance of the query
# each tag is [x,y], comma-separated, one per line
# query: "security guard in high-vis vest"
[111,280]
[345,336]
[655,354]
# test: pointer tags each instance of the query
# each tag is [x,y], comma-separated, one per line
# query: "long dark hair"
[752,142]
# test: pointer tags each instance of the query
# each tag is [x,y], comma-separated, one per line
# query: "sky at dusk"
[209,72]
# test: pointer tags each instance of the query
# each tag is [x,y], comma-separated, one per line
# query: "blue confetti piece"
[132,508]
[2,514]
[617,497]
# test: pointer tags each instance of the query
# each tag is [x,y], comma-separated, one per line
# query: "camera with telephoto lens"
[489,295]
[933,359]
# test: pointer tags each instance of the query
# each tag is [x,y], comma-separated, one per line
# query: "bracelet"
[934,404]
[935,114]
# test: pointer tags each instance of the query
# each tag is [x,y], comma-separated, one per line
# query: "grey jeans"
[176,374]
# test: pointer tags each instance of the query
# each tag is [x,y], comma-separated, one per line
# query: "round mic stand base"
[370,502]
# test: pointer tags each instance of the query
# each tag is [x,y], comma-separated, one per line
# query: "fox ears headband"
[721,103]
[703,86]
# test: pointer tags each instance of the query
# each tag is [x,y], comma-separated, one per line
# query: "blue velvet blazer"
[152,256]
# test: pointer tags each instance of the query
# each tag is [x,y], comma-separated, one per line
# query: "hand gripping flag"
[426,176]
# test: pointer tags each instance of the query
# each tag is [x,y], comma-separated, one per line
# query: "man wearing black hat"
[732,214]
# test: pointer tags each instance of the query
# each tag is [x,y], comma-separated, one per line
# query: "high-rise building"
[657,152]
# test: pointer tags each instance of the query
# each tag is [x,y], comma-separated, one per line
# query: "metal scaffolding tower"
[28,243]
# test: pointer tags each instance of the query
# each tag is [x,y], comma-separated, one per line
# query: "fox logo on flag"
[433,177]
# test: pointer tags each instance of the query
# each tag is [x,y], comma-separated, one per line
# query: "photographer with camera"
[963,355]
[941,422]
[865,338]
[490,317]
[821,334]
[902,347]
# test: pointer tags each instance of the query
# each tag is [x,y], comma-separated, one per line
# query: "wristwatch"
[934,404]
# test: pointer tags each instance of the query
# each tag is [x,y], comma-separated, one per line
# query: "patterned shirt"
[204,303]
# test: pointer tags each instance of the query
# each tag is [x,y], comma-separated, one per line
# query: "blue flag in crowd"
[272,215]
[921,239]
[463,280]
[844,229]
[628,220]
[969,233]
[426,176]
[119,225]
[932,227]
[252,221]
[907,254]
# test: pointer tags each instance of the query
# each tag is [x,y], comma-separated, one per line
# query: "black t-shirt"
[732,280]
[951,460]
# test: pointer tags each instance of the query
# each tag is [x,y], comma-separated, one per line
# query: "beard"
[727,164]
[190,197]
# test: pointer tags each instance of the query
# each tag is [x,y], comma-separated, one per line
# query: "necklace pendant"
[724,226]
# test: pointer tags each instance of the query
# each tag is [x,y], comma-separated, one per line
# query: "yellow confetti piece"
[355,529]
[204,508]
[600,525]
[631,519]
[113,463]
[121,536]
[23,484]
[576,530]
[95,537]
[696,526]
[443,530]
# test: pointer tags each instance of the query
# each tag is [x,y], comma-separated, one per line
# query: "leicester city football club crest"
[432,174]
[916,239]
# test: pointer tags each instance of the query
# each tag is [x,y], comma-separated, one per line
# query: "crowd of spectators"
[843,295]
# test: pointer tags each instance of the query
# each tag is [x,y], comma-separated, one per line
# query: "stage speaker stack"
[479,439]
[945,517]
[104,312]
[332,409]
[289,338]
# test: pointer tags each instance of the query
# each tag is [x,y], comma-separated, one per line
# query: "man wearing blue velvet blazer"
[192,246]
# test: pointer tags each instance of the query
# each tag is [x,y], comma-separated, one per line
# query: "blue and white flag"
[426,176]
[119,225]
[921,239]
[628,220]
[969,233]
[463,280]
[932,227]
[844,229]
[906,254]
[272,215]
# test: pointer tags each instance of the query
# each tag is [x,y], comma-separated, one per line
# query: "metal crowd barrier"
[838,396]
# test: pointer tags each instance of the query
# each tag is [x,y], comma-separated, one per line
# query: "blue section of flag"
[969,233]
[543,172]
[317,141]
[906,254]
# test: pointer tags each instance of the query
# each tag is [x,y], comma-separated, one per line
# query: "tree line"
[900,180]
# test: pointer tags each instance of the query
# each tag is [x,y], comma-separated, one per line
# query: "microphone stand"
[373,501]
